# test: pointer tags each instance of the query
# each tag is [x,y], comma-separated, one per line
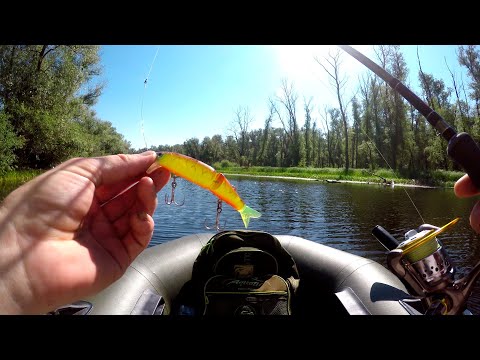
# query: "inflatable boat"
[332,281]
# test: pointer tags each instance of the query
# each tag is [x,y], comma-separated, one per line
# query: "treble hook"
[217,218]
[172,196]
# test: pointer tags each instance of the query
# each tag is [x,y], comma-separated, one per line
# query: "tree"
[231,149]
[392,107]
[9,141]
[308,132]
[328,136]
[336,154]
[399,70]
[465,121]
[211,149]
[217,148]
[291,140]
[426,84]
[439,100]
[266,133]
[334,61]
[274,148]
[96,137]
[356,131]
[240,128]
[192,148]
[469,57]
[42,89]
[369,93]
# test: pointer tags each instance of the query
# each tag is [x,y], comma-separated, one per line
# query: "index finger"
[106,192]
[112,169]
[464,187]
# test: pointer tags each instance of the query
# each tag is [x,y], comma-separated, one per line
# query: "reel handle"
[385,238]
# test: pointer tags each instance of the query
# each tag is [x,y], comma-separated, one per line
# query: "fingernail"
[148,153]
[142,215]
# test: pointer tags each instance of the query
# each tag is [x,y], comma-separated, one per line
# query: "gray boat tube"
[331,281]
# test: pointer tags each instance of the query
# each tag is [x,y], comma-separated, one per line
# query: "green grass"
[444,178]
[18,177]
[12,180]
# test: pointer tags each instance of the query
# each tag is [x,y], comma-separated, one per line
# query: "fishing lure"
[206,177]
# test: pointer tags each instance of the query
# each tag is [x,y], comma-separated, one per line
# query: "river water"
[340,215]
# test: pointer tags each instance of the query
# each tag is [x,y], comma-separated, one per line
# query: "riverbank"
[383,177]
[333,181]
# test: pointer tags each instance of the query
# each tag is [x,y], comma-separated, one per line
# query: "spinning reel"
[424,267]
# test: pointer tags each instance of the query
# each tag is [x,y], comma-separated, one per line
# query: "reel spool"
[427,256]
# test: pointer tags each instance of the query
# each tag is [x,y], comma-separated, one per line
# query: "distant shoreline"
[339,181]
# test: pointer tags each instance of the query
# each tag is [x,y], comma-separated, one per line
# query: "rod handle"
[465,151]
[385,238]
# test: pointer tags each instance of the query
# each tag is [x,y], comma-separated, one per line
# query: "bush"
[9,141]
[224,164]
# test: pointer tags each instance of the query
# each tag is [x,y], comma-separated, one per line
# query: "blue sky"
[193,91]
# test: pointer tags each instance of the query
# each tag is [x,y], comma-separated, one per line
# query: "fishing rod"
[461,147]
[421,261]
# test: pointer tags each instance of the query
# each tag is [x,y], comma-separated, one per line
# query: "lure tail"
[246,213]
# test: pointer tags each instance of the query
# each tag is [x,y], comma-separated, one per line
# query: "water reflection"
[337,215]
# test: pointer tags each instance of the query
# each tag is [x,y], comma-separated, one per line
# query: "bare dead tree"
[240,128]
[334,61]
[285,138]
[465,95]
[392,104]
[266,130]
[366,96]
[470,58]
[329,142]
[316,139]
[383,52]
[307,106]
[426,86]
[289,99]
[459,103]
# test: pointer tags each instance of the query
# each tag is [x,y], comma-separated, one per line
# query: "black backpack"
[240,273]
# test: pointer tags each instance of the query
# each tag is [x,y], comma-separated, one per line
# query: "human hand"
[58,244]
[464,187]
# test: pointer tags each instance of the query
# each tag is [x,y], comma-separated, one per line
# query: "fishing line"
[143,132]
[143,96]
[411,200]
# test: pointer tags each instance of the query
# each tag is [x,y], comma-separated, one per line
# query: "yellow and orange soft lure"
[206,177]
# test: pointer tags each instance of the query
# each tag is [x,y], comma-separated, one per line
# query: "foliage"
[46,95]
[8,143]
[383,130]
[224,164]
[46,116]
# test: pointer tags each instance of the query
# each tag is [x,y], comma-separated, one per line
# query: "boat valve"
[423,265]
